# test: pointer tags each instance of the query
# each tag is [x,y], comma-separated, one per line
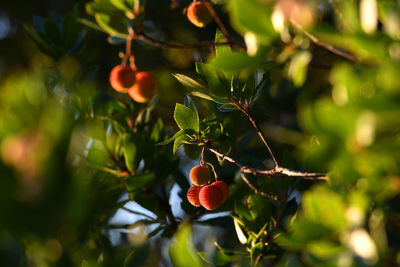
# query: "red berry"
[198,14]
[144,87]
[193,195]
[122,78]
[200,175]
[211,197]
[224,189]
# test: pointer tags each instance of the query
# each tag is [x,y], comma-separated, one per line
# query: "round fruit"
[224,189]
[210,197]
[122,78]
[193,195]
[198,14]
[200,175]
[144,87]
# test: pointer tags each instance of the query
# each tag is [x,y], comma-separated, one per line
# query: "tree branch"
[221,24]
[259,131]
[328,47]
[217,19]
[275,172]
[244,178]
[144,37]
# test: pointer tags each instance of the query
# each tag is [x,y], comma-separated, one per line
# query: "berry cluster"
[140,86]
[200,194]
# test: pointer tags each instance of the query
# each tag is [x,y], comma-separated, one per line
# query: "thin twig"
[221,24]
[244,178]
[259,131]
[217,19]
[275,172]
[328,47]
[156,220]
[144,37]
[138,213]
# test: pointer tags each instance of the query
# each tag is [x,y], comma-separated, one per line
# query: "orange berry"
[224,189]
[200,175]
[193,195]
[198,14]
[144,87]
[210,196]
[122,78]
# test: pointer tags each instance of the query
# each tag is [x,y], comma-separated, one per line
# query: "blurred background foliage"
[84,181]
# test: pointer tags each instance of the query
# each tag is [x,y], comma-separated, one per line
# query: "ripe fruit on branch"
[198,14]
[144,87]
[200,175]
[122,78]
[224,189]
[193,195]
[211,196]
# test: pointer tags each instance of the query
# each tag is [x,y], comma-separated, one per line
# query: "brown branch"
[275,172]
[255,189]
[217,19]
[328,47]
[259,131]
[144,37]
[221,25]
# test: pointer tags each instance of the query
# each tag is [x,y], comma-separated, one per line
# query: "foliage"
[295,104]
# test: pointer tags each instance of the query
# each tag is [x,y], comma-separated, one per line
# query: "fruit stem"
[202,162]
[213,170]
[128,51]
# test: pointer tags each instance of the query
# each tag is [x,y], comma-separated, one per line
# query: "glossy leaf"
[186,118]
[182,251]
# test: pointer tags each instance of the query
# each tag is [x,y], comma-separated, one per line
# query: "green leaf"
[175,136]
[242,210]
[129,155]
[178,142]
[287,241]
[218,82]
[182,251]
[314,205]
[221,50]
[113,24]
[91,24]
[259,207]
[39,41]
[306,230]
[236,62]
[297,70]
[186,118]
[100,6]
[239,232]
[324,249]
[255,251]
[189,82]
[219,259]
[96,153]
[253,16]
[128,258]
[121,4]
[209,97]
[189,102]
